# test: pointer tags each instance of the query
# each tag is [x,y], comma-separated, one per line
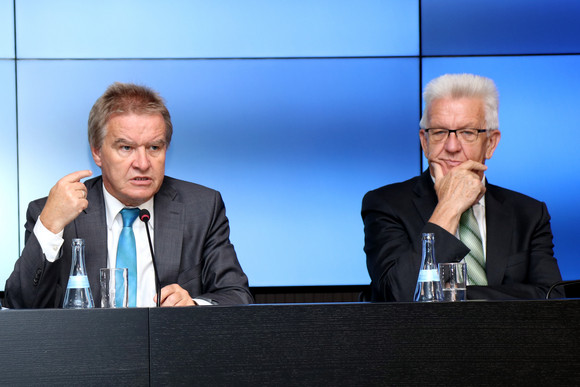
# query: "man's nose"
[141,159]
[452,143]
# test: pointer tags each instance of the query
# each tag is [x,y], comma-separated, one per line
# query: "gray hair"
[463,86]
[124,98]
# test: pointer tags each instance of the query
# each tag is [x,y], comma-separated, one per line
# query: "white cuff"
[202,301]
[49,242]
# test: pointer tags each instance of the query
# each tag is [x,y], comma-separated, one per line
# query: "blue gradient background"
[291,109]
[216,29]
[6,30]
[484,27]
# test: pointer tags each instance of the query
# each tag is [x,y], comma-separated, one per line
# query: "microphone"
[560,283]
[144,215]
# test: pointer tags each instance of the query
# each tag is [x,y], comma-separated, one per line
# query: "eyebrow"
[471,125]
[158,142]
[123,141]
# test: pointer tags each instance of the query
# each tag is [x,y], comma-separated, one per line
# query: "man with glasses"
[512,256]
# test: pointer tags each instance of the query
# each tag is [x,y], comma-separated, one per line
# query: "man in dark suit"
[459,131]
[129,132]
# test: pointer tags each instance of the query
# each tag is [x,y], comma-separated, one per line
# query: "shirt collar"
[113,207]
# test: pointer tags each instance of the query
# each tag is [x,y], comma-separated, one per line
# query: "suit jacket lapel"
[91,225]
[169,228]
[499,224]
[426,198]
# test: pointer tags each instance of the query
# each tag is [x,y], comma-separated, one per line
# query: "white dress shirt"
[145,270]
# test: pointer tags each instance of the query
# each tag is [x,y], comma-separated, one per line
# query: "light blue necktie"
[127,252]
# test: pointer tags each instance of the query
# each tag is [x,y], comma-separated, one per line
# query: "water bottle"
[78,291]
[428,283]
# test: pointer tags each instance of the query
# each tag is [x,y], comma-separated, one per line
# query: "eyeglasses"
[465,136]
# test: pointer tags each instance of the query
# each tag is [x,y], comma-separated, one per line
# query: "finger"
[83,205]
[77,192]
[472,165]
[174,299]
[481,193]
[166,302]
[77,176]
[437,171]
[78,186]
[166,292]
[186,302]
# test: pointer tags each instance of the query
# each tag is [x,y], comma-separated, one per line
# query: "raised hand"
[462,185]
[456,191]
[66,200]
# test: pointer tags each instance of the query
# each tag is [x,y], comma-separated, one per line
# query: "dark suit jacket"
[192,249]
[519,256]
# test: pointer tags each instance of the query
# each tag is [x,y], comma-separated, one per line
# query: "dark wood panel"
[309,294]
[471,343]
[74,347]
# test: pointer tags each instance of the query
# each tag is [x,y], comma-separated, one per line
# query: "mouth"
[453,163]
[140,180]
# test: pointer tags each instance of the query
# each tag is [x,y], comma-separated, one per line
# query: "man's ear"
[492,142]
[96,156]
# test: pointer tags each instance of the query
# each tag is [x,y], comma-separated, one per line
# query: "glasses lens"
[467,135]
[438,135]
[463,135]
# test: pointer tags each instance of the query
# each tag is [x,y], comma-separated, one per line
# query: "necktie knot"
[129,215]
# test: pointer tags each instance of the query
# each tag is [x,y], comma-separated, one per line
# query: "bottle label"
[78,282]
[428,275]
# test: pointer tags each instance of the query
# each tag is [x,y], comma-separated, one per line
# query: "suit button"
[37,276]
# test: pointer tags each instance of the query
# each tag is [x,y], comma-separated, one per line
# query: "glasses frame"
[459,138]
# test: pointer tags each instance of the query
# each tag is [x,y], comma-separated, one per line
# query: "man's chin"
[137,197]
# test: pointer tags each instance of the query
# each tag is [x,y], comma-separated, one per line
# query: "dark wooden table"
[356,344]
[74,347]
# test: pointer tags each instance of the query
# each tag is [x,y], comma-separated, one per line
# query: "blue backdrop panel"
[9,227]
[489,27]
[538,120]
[6,29]
[293,145]
[229,28]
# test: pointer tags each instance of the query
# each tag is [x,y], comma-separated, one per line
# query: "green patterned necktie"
[469,235]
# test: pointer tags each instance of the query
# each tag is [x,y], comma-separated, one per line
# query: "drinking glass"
[114,290]
[453,280]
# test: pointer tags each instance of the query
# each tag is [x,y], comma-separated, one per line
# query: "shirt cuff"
[203,301]
[49,243]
